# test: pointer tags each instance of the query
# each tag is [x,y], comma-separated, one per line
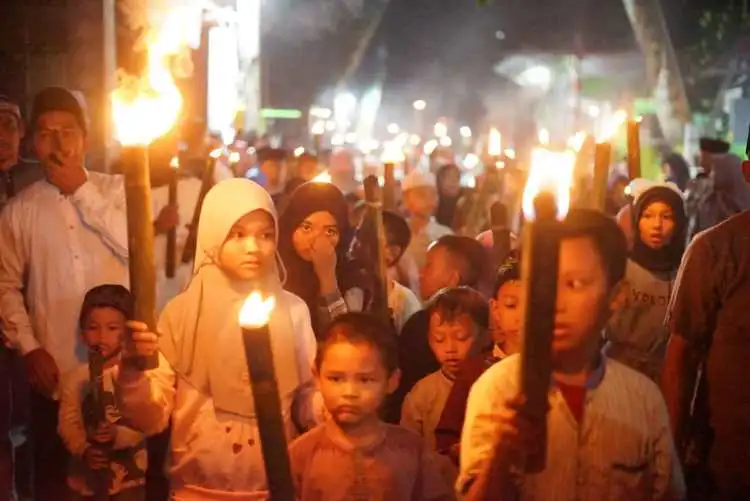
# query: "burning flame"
[551,171]
[256,311]
[543,137]
[218,152]
[575,143]
[175,162]
[392,153]
[323,177]
[234,157]
[146,107]
[440,130]
[299,151]
[430,146]
[495,143]
[318,128]
[610,128]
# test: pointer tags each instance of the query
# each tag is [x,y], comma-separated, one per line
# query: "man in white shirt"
[59,238]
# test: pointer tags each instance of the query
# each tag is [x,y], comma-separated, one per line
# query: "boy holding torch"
[608,435]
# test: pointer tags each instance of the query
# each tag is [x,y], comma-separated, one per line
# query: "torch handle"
[171,263]
[540,263]
[188,252]
[374,216]
[389,187]
[140,243]
[634,149]
[602,158]
[265,390]
[500,231]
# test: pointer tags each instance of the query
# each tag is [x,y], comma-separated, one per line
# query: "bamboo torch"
[171,264]
[392,155]
[207,181]
[374,217]
[256,337]
[603,160]
[634,148]
[546,200]
[144,108]
[100,478]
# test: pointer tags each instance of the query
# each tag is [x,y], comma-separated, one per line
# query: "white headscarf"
[201,337]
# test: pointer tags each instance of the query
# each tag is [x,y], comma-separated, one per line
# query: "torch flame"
[256,311]
[575,143]
[323,177]
[543,137]
[218,152]
[234,157]
[551,171]
[175,163]
[392,153]
[611,127]
[318,128]
[495,143]
[146,107]
[510,153]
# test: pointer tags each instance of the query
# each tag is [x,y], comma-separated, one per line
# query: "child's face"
[318,225]
[104,328]
[354,382]
[249,249]
[437,272]
[451,341]
[505,315]
[656,225]
[584,299]
[421,201]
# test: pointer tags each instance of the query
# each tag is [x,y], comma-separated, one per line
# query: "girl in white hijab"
[201,384]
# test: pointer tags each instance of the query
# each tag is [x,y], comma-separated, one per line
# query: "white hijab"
[201,337]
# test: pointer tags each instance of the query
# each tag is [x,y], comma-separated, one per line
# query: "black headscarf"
[666,259]
[446,208]
[301,279]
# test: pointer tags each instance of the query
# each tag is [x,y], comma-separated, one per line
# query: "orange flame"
[551,171]
[256,311]
[146,107]
[495,143]
[611,127]
[323,177]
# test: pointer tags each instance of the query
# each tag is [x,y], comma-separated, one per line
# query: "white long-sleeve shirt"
[53,249]
[216,455]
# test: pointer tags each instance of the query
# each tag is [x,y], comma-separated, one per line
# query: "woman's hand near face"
[324,260]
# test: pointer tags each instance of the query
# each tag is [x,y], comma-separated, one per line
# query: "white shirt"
[188,191]
[621,450]
[54,249]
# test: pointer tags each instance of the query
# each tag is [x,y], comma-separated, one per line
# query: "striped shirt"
[621,450]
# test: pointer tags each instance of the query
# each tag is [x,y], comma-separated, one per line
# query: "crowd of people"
[647,398]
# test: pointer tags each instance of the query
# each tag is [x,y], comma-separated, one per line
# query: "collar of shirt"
[597,375]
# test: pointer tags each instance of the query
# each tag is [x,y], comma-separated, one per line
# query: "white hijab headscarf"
[201,337]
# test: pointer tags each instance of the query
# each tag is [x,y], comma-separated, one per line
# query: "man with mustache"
[59,238]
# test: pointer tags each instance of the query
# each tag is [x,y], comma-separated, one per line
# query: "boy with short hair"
[458,324]
[451,261]
[505,324]
[608,434]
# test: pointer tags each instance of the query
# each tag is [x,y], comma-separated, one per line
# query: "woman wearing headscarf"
[449,192]
[201,384]
[676,170]
[636,333]
[314,237]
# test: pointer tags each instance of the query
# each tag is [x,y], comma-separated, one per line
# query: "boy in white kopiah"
[202,384]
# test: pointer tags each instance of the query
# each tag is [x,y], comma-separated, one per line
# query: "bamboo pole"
[374,217]
[602,159]
[171,263]
[188,252]
[634,149]
[140,240]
